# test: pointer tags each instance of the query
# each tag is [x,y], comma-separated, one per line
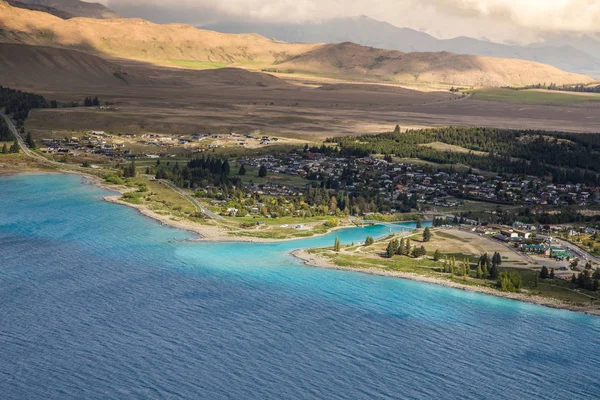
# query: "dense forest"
[575,88]
[20,103]
[578,88]
[5,133]
[566,157]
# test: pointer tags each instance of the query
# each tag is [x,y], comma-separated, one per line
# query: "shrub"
[113,179]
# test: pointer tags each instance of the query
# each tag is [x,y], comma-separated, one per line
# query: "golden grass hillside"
[349,59]
[39,67]
[137,39]
[184,46]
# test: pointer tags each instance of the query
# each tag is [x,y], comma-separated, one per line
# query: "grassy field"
[160,198]
[533,96]
[450,148]
[554,288]
[280,179]
[461,246]
[193,64]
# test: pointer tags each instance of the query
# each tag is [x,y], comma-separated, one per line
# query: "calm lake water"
[97,302]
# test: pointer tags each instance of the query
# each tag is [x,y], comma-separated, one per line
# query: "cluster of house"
[274,189]
[437,189]
[235,138]
[93,142]
[557,252]
[526,240]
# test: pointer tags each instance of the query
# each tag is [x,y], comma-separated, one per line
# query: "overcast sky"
[498,20]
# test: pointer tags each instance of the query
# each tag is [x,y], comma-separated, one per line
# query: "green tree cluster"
[336,245]
[509,281]
[427,235]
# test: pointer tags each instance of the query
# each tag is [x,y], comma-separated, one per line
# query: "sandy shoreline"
[314,260]
[218,234]
[205,233]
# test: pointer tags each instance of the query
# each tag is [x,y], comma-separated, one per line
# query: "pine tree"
[397,130]
[407,248]
[497,259]
[369,241]
[225,168]
[337,245]
[419,223]
[392,248]
[130,171]
[486,273]
[426,235]
[29,141]
[494,272]
[14,148]
[401,247]
[551,276]
[262,171]
[544,273]
[479,271]
[437,255]
[5,149]
[242,170]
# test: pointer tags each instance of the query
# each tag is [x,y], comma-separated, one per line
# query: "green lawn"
[280,179]
[532,96]
[554,288]
[193,64]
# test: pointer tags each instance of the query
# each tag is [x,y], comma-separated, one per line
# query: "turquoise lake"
[98,302]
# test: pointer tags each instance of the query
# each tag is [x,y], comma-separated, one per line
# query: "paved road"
[32,154]
[17,135]
[576,250]
[193,200]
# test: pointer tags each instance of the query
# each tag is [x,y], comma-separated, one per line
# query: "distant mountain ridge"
[39,7]
[369,32]
[68,8]
[349,59]
[179,45]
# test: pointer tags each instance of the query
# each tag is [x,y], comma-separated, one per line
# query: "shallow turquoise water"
[98,302]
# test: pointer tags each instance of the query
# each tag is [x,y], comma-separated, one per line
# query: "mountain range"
[66,9]
[574,53]
[183,46]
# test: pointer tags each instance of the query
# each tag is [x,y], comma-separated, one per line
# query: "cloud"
[505,20]
[545,15]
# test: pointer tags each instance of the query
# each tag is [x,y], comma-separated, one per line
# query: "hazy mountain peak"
[580,57]
[72,8]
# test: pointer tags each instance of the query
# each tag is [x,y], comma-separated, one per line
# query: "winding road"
[193,200]
[38,157]
[20,140]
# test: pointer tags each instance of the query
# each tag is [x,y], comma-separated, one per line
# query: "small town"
[434,188]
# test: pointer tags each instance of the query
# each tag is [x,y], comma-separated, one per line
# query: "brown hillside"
[46,67]
[53,69]
[74,8]
[38,7]
[136,39]
[350,60]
